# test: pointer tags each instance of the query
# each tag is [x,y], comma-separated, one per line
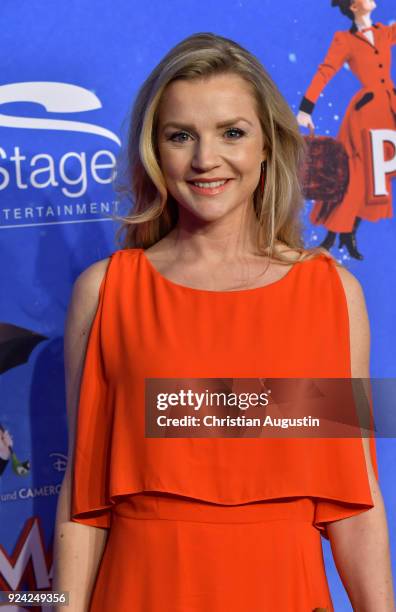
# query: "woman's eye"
[177,137]
[236,131]
[234,134]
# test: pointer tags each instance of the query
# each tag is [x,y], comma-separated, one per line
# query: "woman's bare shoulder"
[359,325]
[89,280]
[85,294]
[353,291]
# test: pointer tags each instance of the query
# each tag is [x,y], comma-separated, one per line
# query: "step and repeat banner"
[70,71]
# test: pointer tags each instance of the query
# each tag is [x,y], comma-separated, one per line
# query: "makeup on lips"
[209,186]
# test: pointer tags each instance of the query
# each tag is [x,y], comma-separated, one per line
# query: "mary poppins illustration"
[366,48]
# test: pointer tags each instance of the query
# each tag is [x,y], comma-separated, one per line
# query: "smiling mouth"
[209,188]
[209,184]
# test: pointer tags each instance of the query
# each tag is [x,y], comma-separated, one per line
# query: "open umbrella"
[16,344]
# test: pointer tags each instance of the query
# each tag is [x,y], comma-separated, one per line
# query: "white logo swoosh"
[56,98]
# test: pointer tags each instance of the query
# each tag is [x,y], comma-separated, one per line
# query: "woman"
[213,282]
[366,47]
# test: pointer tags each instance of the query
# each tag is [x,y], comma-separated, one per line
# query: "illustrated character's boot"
[348,239]
[328,241]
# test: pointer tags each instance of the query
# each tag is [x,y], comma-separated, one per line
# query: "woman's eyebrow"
[192,127]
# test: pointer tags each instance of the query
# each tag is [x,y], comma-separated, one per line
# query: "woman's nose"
[205,155]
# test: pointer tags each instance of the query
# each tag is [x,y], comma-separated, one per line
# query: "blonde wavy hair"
[153,211]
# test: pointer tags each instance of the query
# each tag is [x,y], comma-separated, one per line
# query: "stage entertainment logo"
[54,184]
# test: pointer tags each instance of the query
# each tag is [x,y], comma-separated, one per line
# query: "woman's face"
[208,131]
[362,7]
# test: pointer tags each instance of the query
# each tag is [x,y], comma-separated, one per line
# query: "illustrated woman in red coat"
[366,47]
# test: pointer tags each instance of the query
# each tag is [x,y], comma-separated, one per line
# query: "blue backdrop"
[70,72]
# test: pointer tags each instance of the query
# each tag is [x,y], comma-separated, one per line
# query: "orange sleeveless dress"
[211,524]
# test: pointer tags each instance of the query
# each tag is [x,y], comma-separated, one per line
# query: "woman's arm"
[335,58]
[78,548]
[360,544]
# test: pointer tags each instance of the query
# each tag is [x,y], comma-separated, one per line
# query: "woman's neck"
[364,21]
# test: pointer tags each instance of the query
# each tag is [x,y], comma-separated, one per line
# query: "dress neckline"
[156,274]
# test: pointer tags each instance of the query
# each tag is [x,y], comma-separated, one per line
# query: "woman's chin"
[210,217]
[207,212]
